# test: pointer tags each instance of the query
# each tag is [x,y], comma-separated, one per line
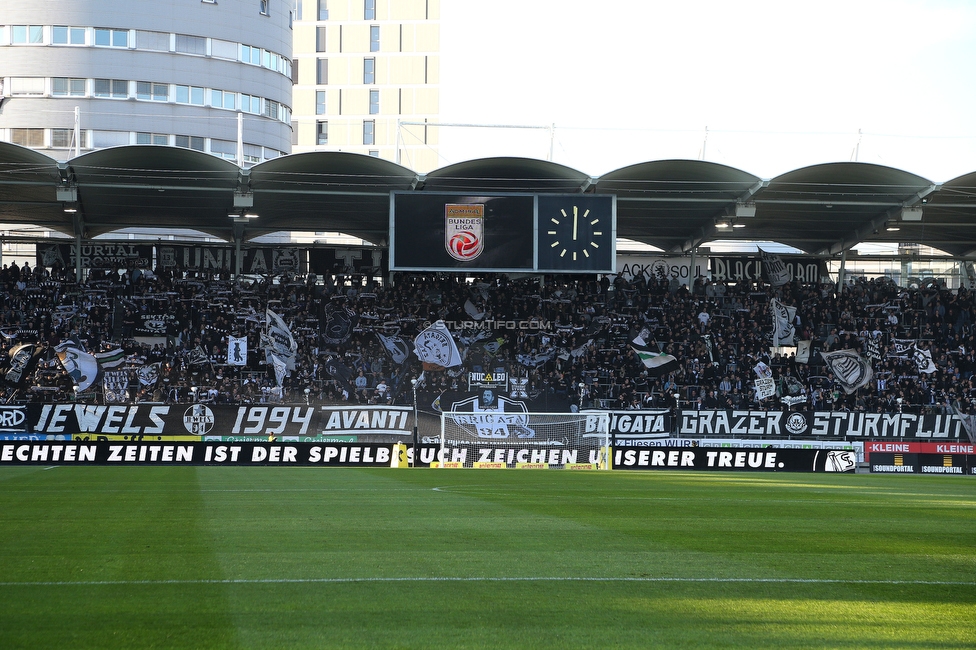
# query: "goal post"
[522,440]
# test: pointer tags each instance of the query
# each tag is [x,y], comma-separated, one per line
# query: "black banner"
[196,258]
[462,232]
[736,459]
[735,269]
[351,260]
[102,255]
[651,423]
[821,424]
[244,453]
[139,421]
[13,418]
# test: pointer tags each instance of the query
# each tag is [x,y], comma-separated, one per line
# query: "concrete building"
[368,75]
[209,75]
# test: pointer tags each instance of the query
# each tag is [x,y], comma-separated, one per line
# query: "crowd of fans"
[568,336]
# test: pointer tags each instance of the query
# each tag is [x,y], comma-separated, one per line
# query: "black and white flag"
[396,347]
[774,269]
[278,340]
[850,370]
[435,347]
[923,361]
[236,351]
[783,329]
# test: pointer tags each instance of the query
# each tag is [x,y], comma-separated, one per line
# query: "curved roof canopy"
[672,204]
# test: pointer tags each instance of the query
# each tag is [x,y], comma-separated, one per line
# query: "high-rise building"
[368,79]
[209,75]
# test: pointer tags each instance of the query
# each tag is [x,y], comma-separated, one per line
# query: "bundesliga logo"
[464,230]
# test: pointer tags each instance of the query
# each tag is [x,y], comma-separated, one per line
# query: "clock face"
[576,233]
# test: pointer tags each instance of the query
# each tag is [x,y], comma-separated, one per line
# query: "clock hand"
[575,220]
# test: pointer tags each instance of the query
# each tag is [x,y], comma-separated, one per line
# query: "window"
[68,35]
[375,153]
[105,139]
[223,148]
[26,34]
[251,104]
[299,11]
[251,55]
[374,38]
[191,44]
[323,13]
[111,37]
[252,153]
[271,109]
[263,7]
[159,42]
[369,10]
[26,86]
[374,102]
[65,87]
[65,138]
[190,142]
[320,39]
[149,91]
[113,88]
[223,49]
[369,71]
[27,137]
[189,95]
[369,132]
[322,71]
[223,99]
[152,138]
[322,132]
[320,105]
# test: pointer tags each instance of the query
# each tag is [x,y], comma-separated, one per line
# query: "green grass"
[221,557]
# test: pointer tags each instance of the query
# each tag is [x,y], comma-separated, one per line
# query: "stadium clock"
[576,233]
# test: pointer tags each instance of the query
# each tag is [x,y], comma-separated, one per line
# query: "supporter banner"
[364,260]
[258,261]
[872,447]
[509,456]
[459,232]
[13,418]
[642,267]
[156,324]
[737,459]
[196,258]
[245,453]
[169,420]
[820,424]
[857,447]
[370,420]
[103,255]
[733,269]
[639,425]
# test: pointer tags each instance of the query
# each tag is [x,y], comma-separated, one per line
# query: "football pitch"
[230,557]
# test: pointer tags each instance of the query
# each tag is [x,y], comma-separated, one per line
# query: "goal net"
[496,439]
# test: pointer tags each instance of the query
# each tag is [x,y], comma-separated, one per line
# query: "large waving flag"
[23,361]
[82,367]
[278,340]
[783,329]
[850,370]
[436,348]
[657,363]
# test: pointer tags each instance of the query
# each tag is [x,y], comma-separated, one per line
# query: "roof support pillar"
[841,273]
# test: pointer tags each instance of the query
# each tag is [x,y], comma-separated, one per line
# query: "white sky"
[779,85]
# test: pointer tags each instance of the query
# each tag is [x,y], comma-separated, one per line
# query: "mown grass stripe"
[264,581]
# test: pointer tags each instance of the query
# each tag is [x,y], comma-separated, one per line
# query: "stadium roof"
[671,204]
